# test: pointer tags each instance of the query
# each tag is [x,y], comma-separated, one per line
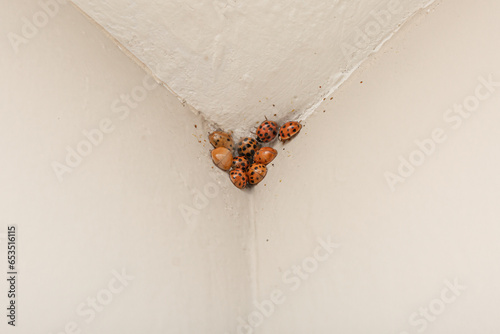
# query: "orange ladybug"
[240,163]
[221,139]
[256,173]
[222,158]
[289,129]
[267,131]
[238,177]
[247,147]
[265,155]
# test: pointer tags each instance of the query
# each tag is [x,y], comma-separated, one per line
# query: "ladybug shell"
[256,173]
[289,129]
[240,163]
[239,178]
[221,139]
[265,155]
[222,158]
[267,131]
[247,147]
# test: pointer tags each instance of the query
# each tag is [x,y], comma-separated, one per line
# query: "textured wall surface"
[382,216]
[238,61]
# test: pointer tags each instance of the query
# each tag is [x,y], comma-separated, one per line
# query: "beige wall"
[421,256]
[401,246]
[120,206]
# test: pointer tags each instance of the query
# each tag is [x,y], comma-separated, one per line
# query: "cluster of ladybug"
[249,166]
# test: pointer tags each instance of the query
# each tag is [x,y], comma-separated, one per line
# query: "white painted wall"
[397,248]
[238,61]
[119,209]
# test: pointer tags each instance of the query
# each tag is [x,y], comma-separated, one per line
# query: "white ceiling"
[236,62]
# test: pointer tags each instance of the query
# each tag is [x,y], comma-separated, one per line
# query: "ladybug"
[289,129]
[265,155]
[221,139]
[256,173]
[240,163]
[267,131]
[239,178]
[248,146]
[222,158]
